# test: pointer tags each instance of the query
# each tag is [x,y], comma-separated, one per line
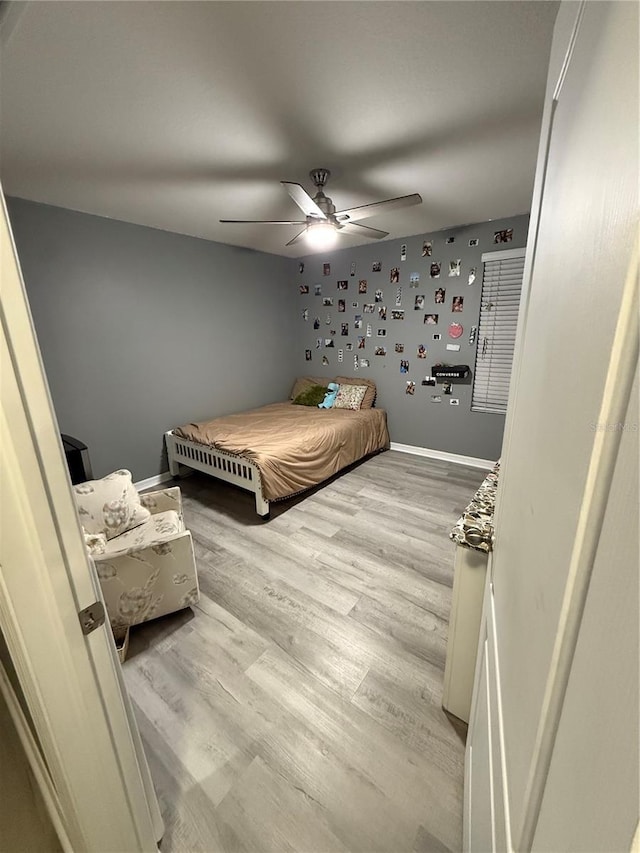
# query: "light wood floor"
[297,708]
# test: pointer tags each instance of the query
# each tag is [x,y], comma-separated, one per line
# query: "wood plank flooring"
[297,707]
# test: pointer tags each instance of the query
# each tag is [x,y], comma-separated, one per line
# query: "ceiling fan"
[323,222]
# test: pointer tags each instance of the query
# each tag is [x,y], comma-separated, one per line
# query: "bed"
[278,450]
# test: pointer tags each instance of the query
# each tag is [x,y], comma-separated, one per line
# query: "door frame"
[70,683]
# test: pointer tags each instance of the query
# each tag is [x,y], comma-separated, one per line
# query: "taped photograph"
[504,236]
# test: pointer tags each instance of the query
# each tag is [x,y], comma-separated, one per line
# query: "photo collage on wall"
[417,303]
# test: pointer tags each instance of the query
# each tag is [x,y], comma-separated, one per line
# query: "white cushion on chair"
[111,505]
[155,532]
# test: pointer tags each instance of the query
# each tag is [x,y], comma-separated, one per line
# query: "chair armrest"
[163,500]
[149,583]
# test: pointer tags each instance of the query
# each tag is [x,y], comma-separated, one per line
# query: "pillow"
[350,397]
[312,396]
[111,505]
[96,542]
[303,382]
[369,397]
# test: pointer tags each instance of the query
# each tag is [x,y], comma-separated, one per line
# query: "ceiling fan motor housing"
[325,204]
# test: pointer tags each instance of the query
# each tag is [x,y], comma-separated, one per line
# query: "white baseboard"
[158,480]
[471,461]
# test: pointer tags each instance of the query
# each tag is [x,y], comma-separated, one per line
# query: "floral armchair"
[146,570]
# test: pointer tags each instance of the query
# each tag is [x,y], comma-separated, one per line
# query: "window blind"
[500,300]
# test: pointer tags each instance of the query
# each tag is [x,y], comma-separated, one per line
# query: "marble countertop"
[474,528]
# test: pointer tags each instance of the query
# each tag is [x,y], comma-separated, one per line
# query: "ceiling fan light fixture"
[321,235]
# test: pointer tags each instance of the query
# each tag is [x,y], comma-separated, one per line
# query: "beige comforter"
[295,447]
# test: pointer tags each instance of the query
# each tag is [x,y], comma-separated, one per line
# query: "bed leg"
[262,506]
[174,466]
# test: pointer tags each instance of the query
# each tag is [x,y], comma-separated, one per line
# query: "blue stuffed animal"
[330,396]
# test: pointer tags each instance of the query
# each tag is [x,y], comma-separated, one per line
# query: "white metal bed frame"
[217,463]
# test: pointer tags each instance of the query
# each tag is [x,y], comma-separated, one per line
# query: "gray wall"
[413,420]
[141,330]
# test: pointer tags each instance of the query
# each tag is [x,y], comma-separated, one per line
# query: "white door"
[561,612]
[84,747]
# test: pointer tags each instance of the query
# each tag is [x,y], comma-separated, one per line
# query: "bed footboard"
[224,466]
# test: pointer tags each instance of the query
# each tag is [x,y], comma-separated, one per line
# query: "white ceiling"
[177,114]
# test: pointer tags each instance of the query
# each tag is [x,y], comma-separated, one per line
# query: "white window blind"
[501,287]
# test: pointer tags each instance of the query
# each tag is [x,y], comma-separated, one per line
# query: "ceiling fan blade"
[266,221]
[302,198]
[361,230]
[297,237]
[354,213]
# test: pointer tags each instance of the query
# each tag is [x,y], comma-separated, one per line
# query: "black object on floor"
[78,461]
